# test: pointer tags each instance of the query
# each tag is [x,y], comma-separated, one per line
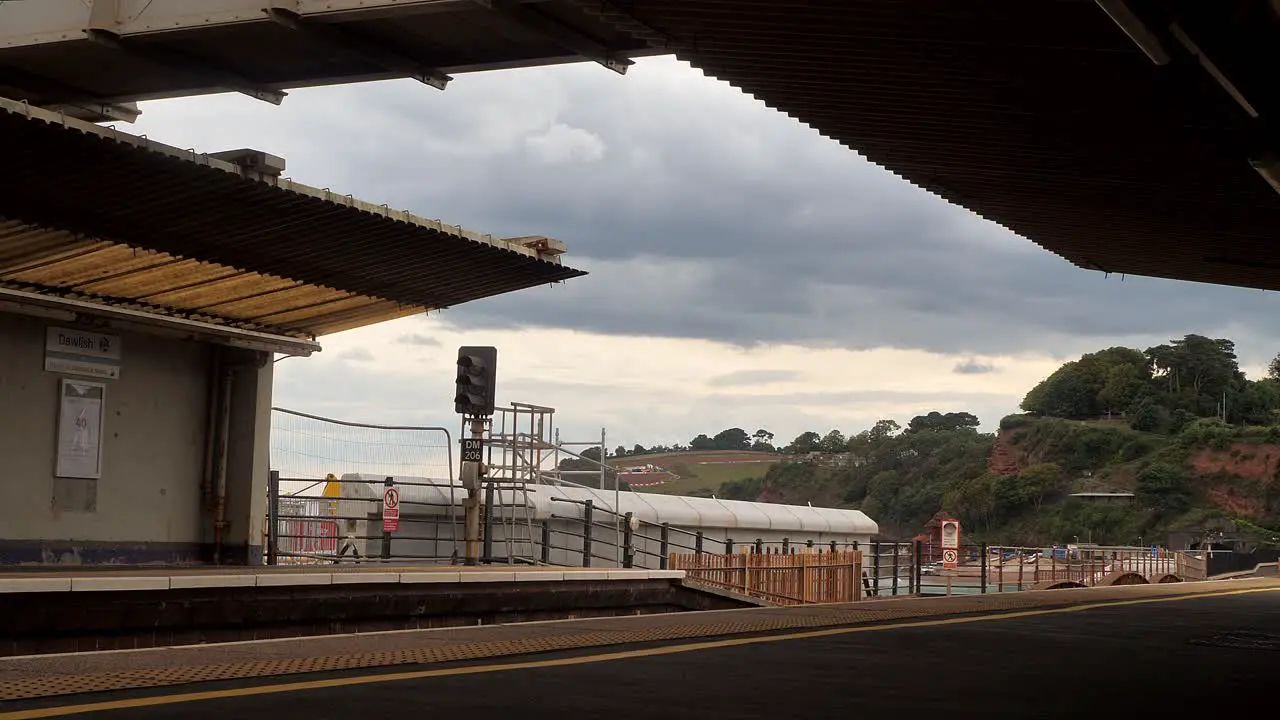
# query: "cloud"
[562,144]
[731,251]
[417,339]
[700,214]
[356,355]
[646,389]
[973,367]
[753,377]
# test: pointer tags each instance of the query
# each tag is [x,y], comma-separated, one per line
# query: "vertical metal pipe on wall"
[226,374]
[224,442]
[211,431]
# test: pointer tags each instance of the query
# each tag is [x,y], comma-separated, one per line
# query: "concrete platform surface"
[77,673]
[1209,655]
[95,580]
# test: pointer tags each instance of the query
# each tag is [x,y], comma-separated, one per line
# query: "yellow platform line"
[177,698]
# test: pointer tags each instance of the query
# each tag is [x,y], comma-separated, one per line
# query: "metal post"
[809,544]
[983,567]
[628,538]
[728,546]
[619,555]
[486,553]
[386,536]
[546,542]
[759,546]
[786,546]
[895,568]
[875,566]
[833,546]
[697,543]
[1000,571]
[273,517]
[588,509]
[919,552]
[471,479]
[665,547]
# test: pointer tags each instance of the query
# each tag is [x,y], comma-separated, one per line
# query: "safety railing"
[586,537]
[781,579]
[633,542]
[312,527]
[980,568]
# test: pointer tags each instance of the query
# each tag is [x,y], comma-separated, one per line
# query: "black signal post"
[474,399]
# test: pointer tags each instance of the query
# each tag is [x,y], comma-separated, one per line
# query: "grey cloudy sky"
[702,215]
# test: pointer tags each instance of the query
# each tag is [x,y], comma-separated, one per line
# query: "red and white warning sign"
[390,509]
[950,543]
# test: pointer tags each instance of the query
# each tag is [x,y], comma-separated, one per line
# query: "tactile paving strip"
[659,628]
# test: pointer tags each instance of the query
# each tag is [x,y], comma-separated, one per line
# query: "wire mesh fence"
[310,447]
[310,518]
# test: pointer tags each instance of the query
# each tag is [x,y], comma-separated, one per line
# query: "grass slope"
[701,473]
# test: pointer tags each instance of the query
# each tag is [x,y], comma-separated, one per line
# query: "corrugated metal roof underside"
[453,37]
[1041,116]
[84,216]
[62,264]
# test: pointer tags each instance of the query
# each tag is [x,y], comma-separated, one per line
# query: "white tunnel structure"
[431,521]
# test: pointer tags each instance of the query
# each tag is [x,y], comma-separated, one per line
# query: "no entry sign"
[390,509]
[950,543]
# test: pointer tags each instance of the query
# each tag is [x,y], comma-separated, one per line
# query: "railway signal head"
[477,376]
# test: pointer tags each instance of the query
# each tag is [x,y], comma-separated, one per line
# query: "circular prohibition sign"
[949,556]
[391,498]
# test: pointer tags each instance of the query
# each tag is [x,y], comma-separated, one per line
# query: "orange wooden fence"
[798,579]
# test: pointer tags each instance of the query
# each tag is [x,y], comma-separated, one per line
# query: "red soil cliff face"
[1004,457]
[1256,464]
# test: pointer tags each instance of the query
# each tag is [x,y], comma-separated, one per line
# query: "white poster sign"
[79,352]
[950,534]
[80,415]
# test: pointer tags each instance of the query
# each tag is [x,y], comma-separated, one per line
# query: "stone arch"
[1057,585]
[1162,578]
[1124,577]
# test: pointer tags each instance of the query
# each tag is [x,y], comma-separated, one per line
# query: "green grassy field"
[701,473]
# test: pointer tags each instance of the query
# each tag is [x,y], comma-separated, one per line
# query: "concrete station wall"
[147,506]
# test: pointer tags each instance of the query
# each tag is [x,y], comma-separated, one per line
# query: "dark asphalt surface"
[1218,654]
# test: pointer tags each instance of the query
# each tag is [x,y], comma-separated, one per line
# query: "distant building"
[1117,498]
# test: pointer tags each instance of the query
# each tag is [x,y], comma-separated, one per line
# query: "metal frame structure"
[521,440]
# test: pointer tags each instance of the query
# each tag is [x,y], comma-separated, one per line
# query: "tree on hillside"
[638,450]
[763,436]
[832,442]
[762,441]
[1125,386]
[865,441]
[805,442]
[702,442]
[620,451]
[938,422]
[1196,366]
[732,439]
[1102,382]
[883,429]
[1273,368]
[1255,403]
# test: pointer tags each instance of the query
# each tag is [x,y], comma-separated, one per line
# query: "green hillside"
[700,473]
[1178,425]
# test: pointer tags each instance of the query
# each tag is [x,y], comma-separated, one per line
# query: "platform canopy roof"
[93,215]
[1128,136]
